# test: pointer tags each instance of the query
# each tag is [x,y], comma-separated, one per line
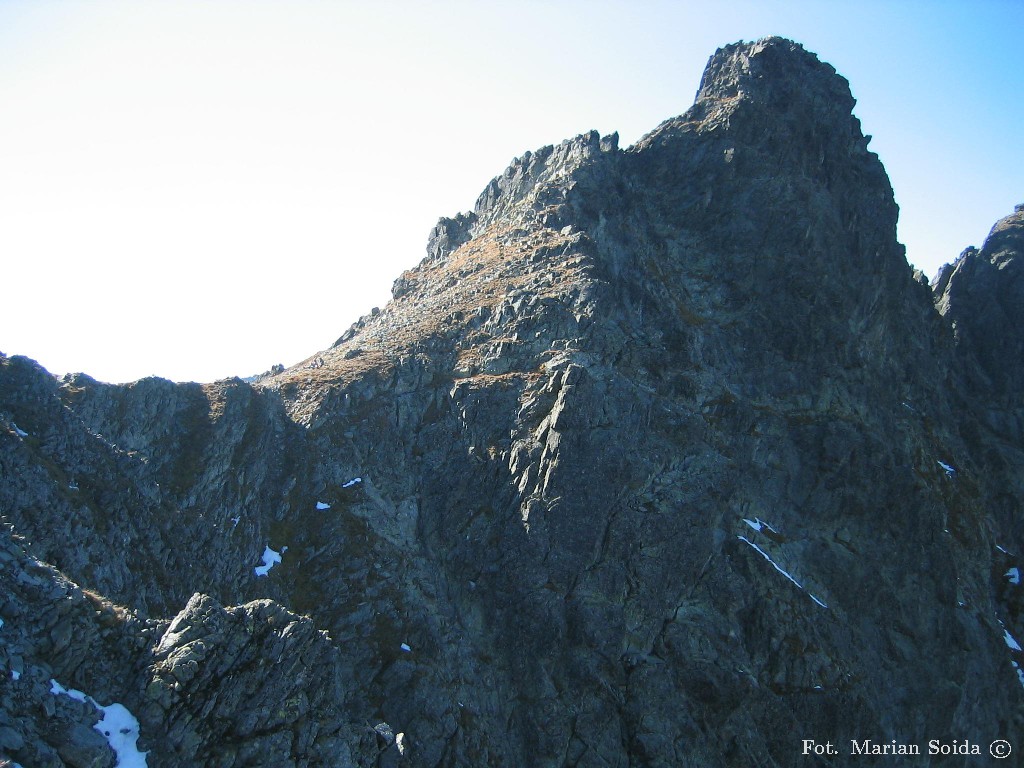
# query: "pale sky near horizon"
[197,190]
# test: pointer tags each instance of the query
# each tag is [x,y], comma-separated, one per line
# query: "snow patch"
[57,690]
[406,648]
[270,558]
[950,472]
[781,570]
[1020,672]
[1013,575]
[1011,643]
[121,730]
[757,524]
[118,726]
[15,674]
[18,432]
[323,504]
[353,481]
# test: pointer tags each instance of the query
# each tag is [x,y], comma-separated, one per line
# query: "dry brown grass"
[443,298]
[106,608]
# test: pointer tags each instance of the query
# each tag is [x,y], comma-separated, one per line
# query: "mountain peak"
[773,67]
[1007,234]
[981,295]
[656,449]
[773,104]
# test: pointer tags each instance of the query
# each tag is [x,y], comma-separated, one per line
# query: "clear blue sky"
[204,189]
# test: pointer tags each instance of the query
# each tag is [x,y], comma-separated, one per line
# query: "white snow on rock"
[57,690]
[323,504]
[353,481]
[757,524]
[270,558]
[118,726]
[946,468]
[406,648]
[121,729]
[1020,672]
[815,599]
[15,674]
[1013,575]
[400,743]
[1011,643]
[18,432]
[781,570]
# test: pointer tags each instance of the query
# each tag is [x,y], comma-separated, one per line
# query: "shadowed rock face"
[980,294]
[660,457]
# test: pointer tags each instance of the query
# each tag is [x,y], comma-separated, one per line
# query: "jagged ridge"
[663,456]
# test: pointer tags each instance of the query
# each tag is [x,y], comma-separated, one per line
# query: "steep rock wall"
[660,457]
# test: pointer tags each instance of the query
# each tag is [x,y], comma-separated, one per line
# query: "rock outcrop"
[662,456]
[980,294]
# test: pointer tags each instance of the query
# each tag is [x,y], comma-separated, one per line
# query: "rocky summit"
[663,456]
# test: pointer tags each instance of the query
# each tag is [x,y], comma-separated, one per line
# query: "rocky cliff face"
[980,296]
[662,456]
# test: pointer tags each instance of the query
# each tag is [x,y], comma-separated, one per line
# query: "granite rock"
[662,456]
